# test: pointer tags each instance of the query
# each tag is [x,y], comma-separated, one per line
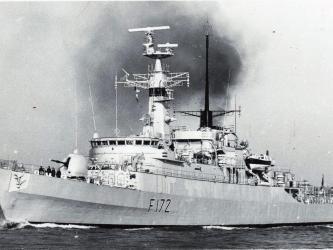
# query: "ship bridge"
[117,150]
[123,141]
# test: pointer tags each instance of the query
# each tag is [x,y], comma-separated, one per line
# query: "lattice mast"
[160,83]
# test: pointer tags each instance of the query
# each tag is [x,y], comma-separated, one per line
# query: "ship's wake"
[10,225]
[67,226]
[227,228]
[218,228]
[139,229]
[328,226]
[20,225]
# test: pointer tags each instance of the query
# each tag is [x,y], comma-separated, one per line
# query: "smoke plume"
[51,52]
[109,48]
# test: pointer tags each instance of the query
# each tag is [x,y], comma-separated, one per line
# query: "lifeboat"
[258,162]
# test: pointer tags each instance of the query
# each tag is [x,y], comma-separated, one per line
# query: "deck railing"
[194,175]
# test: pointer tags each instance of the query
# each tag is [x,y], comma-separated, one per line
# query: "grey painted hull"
[160,201]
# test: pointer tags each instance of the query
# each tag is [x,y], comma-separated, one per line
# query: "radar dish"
[167,45]
[149,29]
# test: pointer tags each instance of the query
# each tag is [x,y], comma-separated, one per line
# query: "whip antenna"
[92,107]
[116,90]
[227,95]
[75,116]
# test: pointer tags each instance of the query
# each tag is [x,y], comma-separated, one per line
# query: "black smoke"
[110,47]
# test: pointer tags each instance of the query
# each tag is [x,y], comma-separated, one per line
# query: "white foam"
[53,225]
[219,227]
[21,225]
[17,225]
[9,225]
[138,229]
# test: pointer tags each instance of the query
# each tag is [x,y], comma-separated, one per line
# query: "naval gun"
[75,164]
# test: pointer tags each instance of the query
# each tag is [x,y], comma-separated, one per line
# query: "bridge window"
[188,140]
[112,142]
[105,142]
[99,143]
[157,92]
[121,142]
[146,142]
[129,142]
[138,142]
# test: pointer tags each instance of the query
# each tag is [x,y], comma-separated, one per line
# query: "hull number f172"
[159,205]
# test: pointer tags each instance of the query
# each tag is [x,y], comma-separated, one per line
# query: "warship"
[164,176]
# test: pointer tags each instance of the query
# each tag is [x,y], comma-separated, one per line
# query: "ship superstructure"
[165,175]
[159,81]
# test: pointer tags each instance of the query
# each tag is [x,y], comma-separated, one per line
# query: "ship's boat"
[258,162]
[165,175]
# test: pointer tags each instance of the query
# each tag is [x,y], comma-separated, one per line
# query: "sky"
[279,54]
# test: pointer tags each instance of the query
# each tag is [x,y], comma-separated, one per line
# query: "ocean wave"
[328,226]
[65,226]
[20,225]
[10,225]
[219,227]
[228,228]
[138,229]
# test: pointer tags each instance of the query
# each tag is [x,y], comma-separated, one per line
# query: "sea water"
[53,236]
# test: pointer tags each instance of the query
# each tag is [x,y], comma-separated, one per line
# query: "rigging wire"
[92,106]
[75,115]
[116,88]
[227,97]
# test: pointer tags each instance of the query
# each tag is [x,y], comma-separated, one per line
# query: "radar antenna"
[143,80]
[167,45]
[149,48]
[149,29]
[159,81]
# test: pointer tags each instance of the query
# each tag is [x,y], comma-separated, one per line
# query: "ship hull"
[41,199]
